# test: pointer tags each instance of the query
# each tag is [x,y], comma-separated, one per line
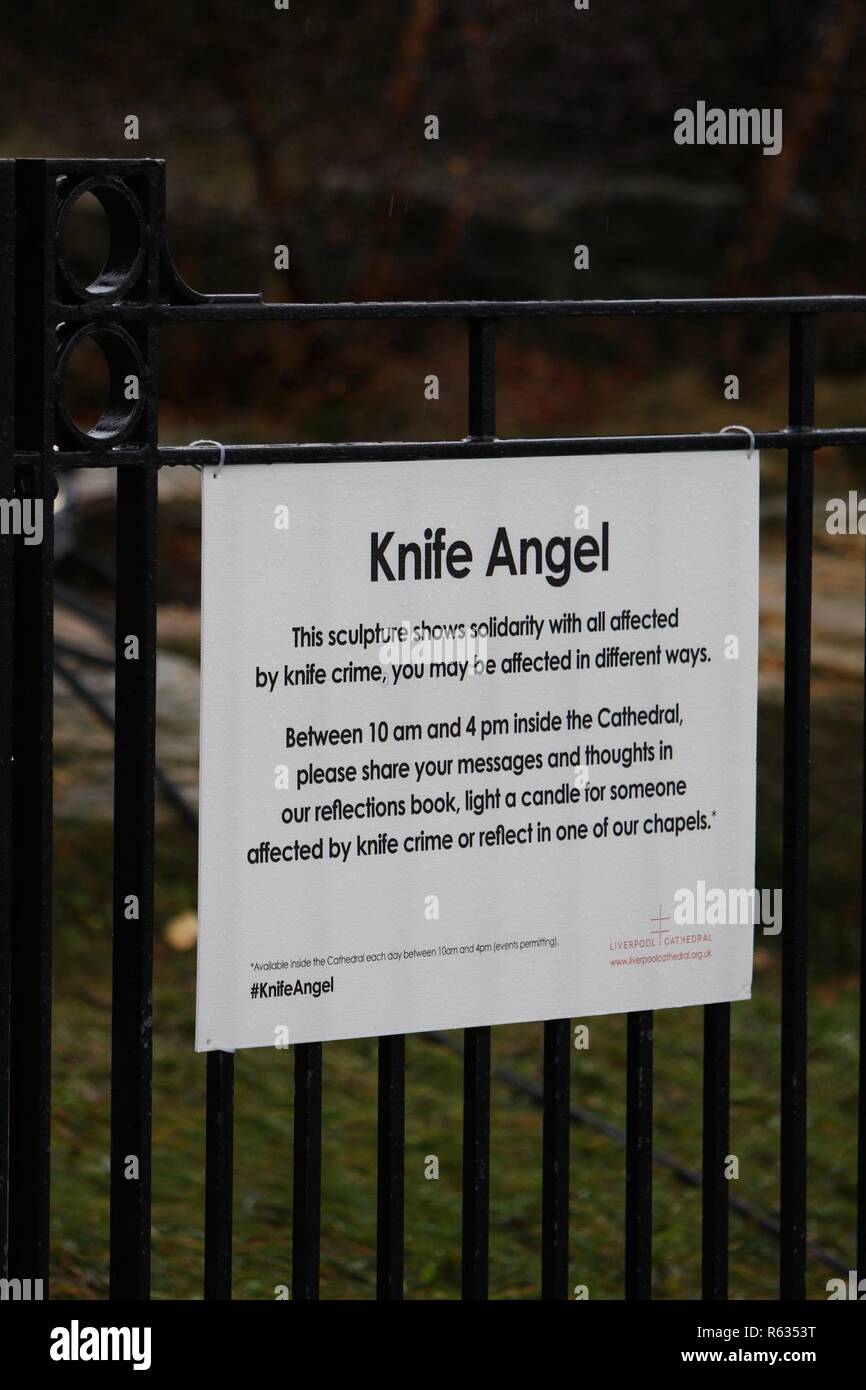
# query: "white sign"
[477,742]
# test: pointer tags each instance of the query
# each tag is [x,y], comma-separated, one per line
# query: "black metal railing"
[46,311]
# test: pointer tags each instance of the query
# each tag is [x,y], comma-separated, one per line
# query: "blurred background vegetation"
[306,128]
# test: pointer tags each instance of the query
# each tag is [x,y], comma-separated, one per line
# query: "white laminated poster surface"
[477,742]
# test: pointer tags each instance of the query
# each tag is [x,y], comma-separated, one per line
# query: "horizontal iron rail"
[244,309]
[409,450]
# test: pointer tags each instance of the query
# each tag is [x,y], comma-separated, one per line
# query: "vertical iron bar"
[30,1090]
[390,1170]
[482,378]
[476,1050]
[555,1159]
[795,814]
[219,1158]
[7,550]
[32,781]
[134,766]
[639,1157]
[716,1136]
[476,1162]
[861,1125]
[861,1230]
[307,1190]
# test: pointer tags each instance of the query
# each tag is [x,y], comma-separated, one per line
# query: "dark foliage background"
[306,126]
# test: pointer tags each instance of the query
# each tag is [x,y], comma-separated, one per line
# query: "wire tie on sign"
[213,444]
[729,429]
